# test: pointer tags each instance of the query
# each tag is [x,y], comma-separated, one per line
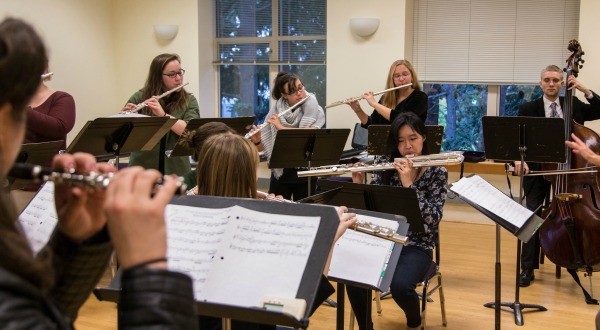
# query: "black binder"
[310,278]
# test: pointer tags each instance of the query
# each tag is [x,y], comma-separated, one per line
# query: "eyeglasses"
[300,89]
[403,74]
[173,74]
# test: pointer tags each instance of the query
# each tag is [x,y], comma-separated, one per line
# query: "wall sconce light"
[364,27]
[166,31]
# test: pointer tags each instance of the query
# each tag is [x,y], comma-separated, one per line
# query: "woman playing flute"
[409,99]
[407,136]
[288,91]
[165,74]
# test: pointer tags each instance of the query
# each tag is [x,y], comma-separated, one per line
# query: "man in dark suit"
[536,187]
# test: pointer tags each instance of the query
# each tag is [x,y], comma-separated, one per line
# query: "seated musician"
[407,137]
[227,166]
[288,91]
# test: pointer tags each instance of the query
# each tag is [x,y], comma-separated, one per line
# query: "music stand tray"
[379,198]
[35,153]
[308,147]
[113,136]
[241,125]
[378,135]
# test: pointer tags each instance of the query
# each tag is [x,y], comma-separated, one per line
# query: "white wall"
[356,64]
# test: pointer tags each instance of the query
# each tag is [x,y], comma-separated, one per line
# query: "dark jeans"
[536,190]
[290,184]
[412,266]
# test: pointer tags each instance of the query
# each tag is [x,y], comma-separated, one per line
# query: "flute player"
[165,74]
[409,99]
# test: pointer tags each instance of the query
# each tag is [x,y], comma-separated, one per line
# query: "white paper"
[39,218]
[126,115]
[236,256]
[481,192]
[360,257]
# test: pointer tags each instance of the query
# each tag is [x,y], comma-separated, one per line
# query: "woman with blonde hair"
[392,103]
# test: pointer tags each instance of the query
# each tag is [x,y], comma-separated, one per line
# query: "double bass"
[570,235]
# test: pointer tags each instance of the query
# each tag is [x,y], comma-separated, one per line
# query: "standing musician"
[536,188]
[47,290]
[165,73]
[407,137]
[228,167]
[409,99]
[287,91]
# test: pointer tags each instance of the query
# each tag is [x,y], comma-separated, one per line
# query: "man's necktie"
[553,112]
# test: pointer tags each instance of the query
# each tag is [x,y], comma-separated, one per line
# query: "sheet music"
[39,218]
[236,255]
[126,115]
[479,191]
[362,258]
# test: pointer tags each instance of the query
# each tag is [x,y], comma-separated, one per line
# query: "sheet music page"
[477,190]
[39,218]
[360,257]
[261,254]
[193,237]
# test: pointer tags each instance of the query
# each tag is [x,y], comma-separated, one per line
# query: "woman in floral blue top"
[407,137]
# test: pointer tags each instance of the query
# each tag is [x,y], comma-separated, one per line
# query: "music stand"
[310,278]
[378,198]
[112,137]
[241,125]
[34,153]
[308,148]
[378,135]
[521,139]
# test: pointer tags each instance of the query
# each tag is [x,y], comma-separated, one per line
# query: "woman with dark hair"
[45,291]
[288,91]
[407,137]
[407,99]
[165,73]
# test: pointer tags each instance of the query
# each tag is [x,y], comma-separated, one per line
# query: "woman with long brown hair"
[165,74]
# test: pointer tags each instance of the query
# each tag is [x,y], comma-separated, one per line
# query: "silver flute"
[143,105]
[263,125]
[352,99]
[92,181]
[441,159]
[360,226]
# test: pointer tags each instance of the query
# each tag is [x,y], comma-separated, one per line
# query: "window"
[486,53]
[256,39]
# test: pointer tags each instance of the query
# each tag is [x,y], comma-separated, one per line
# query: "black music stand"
[241,125]
[310,278]
[112,137]
[34,153]
[521,139]
[378,135]
[378,198]
[308,148]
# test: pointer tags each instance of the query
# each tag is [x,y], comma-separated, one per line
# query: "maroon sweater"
[52,120]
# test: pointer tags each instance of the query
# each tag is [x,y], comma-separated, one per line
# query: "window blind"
[491,41]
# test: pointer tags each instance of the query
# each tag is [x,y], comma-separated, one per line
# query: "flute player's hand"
[80,211]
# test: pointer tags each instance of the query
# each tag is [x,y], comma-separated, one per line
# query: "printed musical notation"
[373,253]
[39,218]
[215,245]
[479,191]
